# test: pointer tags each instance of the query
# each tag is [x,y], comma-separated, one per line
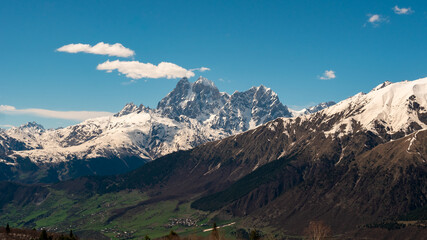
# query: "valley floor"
[131,215]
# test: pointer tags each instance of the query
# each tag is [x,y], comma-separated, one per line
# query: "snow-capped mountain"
[390,110]
[313,109]
[192,114]
[240,111]
[196,100]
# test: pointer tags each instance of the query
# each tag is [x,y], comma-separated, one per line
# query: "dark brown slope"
[213,166]
[383,183]
[21,194]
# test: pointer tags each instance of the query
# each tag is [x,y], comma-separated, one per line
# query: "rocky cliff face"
[196,100]
[238,112]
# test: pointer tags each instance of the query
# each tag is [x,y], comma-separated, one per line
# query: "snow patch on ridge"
[387,103]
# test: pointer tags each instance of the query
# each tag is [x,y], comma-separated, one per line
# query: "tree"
[254,235]
[215,233]
[242,234]
[147,237]
[317,230]
[62,237]
[172,235]
[7,229]
[72,235]
[43,235]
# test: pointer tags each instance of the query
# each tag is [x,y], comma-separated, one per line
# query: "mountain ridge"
[191,114]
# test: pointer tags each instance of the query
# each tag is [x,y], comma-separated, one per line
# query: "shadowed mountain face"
[190,115]
[193,100]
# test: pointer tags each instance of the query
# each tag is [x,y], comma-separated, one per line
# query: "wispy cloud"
[117,49]
[68,115]
[402,11]
[6,126]
[138,70]
[376,19]
[200,69]
[328,74]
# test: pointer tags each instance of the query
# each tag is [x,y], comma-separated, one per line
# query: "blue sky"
[285,45]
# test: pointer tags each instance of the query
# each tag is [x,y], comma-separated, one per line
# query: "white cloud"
[6,126]
[376,19]
[200,69]
[101,48]
[328,74]
[402,11]
[5,108]
[137,70]
[69,115]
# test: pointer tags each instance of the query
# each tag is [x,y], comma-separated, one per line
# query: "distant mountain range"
[190,115]
[358,164]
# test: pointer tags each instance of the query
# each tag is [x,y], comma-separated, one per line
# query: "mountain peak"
[191,99]
[131,108]
[182,81]
[262,87]
[127,109]
[320,106]
[32,125]
[204,85]
[382,85]
[204,81]
[263,93]
[312,109]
